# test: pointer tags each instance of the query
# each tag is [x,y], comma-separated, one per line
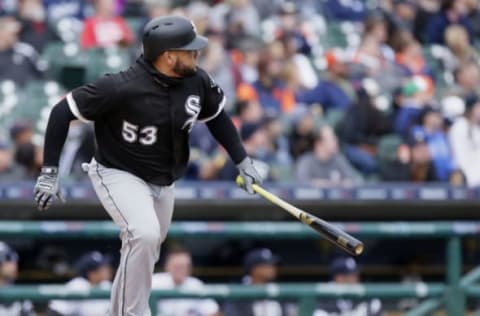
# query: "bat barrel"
[334,234]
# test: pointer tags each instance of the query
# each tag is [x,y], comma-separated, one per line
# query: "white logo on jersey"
[192,108]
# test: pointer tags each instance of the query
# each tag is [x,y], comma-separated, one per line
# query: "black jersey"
[143,118]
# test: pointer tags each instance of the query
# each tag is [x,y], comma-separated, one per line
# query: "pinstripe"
[128,240]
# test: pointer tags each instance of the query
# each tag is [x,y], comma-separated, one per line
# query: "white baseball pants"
[143,212]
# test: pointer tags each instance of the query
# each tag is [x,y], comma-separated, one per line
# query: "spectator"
[236,18]
[8,275]
[35,29]
[467,80]
[426,10]
[361,129]
[415,95]
[410,60]
[261,269]
[177,275]
[335,91]
[373,53]
[464,136]
[325,166]
[353,10]
[18,61]
[246,57]
[431,129]
[302,136]
[402,16]
[65,9]
[473,16]
[255,141]
[27,156]
[280,149]
[270,90]
[198,11]
[303,73]
[105,29]
[94,271]
[5,160]
[217,62]
[289,27]
[247,112]
[421,168]
[456,39]
[344,271]
[451,12]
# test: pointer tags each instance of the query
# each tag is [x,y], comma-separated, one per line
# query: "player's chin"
[189,72]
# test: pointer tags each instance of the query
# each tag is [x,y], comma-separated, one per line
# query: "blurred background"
[366,111]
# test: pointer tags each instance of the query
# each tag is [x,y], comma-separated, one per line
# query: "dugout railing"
[452,294]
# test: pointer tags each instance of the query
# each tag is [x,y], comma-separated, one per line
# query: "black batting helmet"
[170,33]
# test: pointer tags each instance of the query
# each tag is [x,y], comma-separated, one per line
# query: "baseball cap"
[18,128]
[7,253]
[260,256]
[91,261]
[343,265]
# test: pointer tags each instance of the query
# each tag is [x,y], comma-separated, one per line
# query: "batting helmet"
[170,33]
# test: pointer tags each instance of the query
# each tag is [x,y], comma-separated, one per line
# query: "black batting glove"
[47,189]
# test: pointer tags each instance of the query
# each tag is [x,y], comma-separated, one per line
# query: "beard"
[183,70]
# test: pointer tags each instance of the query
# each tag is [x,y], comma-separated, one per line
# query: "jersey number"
[146,136]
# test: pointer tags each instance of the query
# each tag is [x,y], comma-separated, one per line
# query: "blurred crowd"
[327,92]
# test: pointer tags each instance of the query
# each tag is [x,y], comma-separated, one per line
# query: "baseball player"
[142,118]
[178,270]
[94,271]
[8,275]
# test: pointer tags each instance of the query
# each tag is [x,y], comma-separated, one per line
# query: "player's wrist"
[52,170]
[244,163]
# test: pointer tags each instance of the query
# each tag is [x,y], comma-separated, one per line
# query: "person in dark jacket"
[452,12]
[362,127]
[344,271]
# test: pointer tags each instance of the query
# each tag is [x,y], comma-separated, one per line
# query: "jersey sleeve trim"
[74,108]
[220,108]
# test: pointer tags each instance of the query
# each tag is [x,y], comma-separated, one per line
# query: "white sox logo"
[192,108]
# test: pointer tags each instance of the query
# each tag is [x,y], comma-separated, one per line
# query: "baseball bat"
[333,234]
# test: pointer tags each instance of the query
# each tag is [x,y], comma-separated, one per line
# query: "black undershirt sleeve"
[56,134]
[226,134]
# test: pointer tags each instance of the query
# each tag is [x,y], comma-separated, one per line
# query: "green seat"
[103,61]
[67,63]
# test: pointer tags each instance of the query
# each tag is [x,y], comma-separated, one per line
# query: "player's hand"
[251,173]
[46,189]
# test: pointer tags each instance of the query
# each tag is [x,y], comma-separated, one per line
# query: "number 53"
[146,136]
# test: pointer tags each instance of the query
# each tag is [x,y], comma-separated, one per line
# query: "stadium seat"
[66,63]
[103,61]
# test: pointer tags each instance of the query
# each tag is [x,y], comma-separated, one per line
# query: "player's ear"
[170,58]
